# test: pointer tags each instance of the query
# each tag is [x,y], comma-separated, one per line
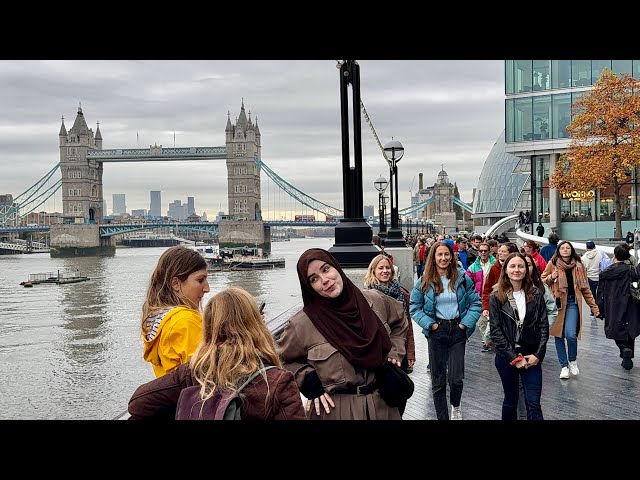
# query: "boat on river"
[61,277]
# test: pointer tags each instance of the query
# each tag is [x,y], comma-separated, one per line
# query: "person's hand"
[531,360]
[395,362]
[522,363]
[485,313]
[411,363]
[325,399]
[462,326]
[554,275]
[596,312]
[434,326]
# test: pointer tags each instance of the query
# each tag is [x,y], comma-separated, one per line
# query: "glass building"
[539,94]
[504,186]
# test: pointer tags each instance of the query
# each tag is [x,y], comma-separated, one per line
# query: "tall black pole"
[353,247]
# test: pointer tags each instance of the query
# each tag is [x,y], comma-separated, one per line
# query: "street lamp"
[381,185]
[394,150]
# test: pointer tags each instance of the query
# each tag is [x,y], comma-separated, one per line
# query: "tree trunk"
[618,213]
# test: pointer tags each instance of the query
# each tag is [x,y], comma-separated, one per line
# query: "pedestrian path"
[602,391]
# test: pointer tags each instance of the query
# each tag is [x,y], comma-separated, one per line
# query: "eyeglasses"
[483,251]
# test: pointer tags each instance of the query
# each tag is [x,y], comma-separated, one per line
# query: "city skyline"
[444,112]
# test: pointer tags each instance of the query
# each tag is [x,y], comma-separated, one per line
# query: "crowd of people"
[337,351]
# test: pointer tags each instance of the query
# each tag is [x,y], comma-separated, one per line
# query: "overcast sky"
[443,112]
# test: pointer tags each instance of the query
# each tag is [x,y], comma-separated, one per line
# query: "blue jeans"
[570,333]
[531,384]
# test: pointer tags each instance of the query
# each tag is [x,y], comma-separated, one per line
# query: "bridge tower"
[243,174]
[81,178]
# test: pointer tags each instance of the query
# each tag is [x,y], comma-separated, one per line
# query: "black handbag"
[394,384]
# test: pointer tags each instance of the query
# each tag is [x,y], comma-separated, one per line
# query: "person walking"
[621,314]
[494,274]
[567,278]
[519,330]
[338,342]
[235,344]
[479,272]
[540,229]
[446,305]
[381,276]
[171,323]
[550,248]
[591,260]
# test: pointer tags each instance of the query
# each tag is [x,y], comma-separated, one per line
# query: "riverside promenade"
[602,391]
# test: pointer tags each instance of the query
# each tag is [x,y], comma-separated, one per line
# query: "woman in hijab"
[335,344]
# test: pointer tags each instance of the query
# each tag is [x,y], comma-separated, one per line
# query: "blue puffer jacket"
[422,306]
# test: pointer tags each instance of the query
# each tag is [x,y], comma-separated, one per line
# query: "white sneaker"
[573,368]
[456,413]
[564,373]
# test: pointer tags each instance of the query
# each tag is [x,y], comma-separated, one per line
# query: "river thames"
[73,352]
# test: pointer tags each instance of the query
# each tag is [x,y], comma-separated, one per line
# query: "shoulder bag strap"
[254,375]
[512,302]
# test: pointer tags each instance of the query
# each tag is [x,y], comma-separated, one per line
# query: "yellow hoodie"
[170,337]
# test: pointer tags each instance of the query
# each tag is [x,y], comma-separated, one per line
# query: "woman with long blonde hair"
[235,344]
[171,321]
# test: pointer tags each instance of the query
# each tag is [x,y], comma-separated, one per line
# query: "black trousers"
[446,356]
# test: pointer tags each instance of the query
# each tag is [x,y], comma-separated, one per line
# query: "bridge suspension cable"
[297,194]
[29,197]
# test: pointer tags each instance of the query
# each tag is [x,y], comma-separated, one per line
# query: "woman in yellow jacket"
[567,277]
[171,319]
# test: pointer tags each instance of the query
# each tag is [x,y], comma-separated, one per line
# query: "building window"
[561,115]
[622,66]
[523,117]
[581,73]
[597,66]
[541,117]
[560,73]
[540,188]
[541,77]
[523,76]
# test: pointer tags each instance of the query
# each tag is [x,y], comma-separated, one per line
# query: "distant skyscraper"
[155,210]
[191,209]
[142,213]
[368,211]
[177,210]
[204,217]
[119,204]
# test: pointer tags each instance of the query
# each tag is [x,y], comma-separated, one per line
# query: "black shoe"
[627,363]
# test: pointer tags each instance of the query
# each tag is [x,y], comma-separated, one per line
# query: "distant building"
[140,213]
[156,204]
[191,209]
[119,204]
[204,217]
[177,210]
[368,211]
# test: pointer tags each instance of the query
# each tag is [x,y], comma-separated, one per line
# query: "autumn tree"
[605,140]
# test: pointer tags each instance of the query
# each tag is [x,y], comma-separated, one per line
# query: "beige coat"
[557,329]
[303,348]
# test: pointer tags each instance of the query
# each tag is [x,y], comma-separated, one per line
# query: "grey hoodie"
[591,261]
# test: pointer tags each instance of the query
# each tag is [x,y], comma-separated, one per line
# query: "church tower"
[81,178]
[444,192]
[243,173]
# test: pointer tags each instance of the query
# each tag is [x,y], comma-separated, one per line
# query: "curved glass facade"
[504,184]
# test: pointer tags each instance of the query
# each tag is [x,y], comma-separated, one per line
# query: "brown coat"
[557,329]
[279,400]
[303,349]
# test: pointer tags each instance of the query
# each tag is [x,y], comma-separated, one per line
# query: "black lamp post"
[394,151]
[381,185]
[353,247]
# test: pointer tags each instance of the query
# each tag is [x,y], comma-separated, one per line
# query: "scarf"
[347,322]
[579,274]
[392,290]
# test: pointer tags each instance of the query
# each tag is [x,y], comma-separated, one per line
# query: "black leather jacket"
[535,329]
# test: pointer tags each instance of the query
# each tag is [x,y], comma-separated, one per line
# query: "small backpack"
[221,406]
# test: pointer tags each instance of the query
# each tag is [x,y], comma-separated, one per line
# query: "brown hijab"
[347,321]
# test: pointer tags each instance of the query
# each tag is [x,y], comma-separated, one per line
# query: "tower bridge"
[82,160]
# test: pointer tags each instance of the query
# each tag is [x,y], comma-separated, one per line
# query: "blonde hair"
[370,277]
[235,343]
[179,262]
